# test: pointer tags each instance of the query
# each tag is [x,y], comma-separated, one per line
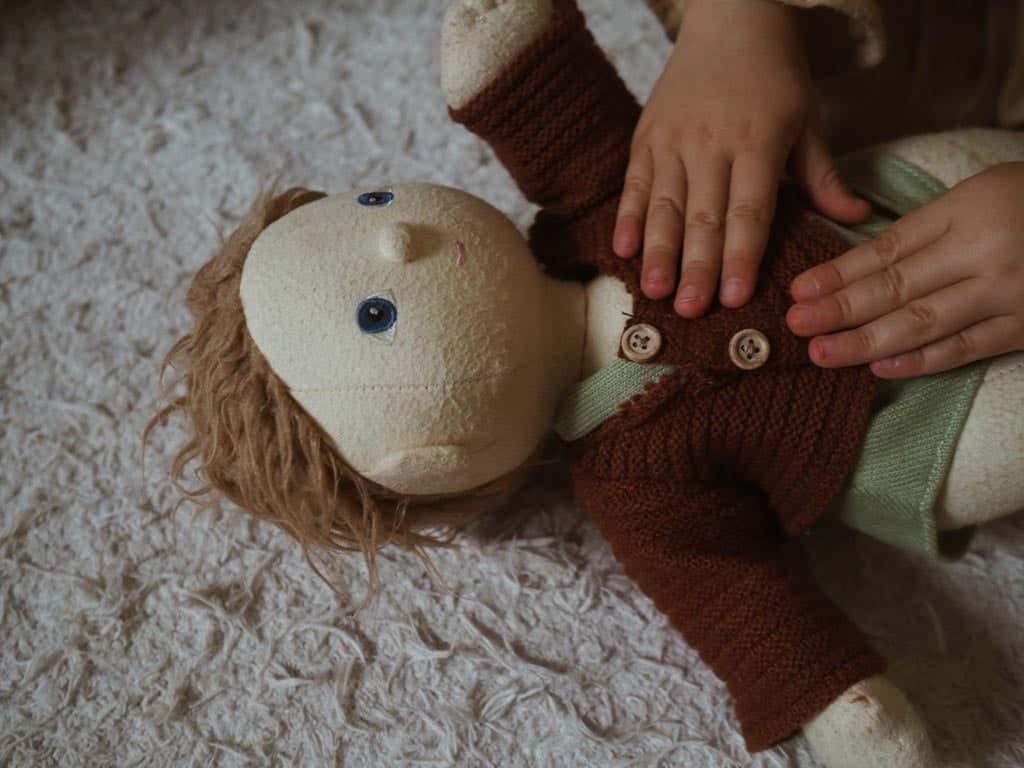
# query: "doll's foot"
[872,724]
[482,37]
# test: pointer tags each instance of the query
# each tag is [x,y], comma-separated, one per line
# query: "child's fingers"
[943,313]
[907,236]
[815,170]
[663,235]
[752,192]
[707,179]
[636,194]
[995,336]
[896,285]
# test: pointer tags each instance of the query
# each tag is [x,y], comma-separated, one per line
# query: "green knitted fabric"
[905,458]
[597,398]
[915,426]
[892,185]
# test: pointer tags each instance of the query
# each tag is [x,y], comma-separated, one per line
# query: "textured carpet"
[130,132]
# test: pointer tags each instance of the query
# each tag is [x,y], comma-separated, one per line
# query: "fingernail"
[888,365]
[732,290]
[805,288]
[688,295]
[656,277]
[822,349]
[801,314]
[624,242]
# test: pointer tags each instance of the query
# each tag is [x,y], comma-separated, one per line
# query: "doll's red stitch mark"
[460,253]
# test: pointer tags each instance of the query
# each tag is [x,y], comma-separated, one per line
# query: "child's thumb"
[815,170]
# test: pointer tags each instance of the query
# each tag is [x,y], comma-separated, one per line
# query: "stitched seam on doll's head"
[402,387]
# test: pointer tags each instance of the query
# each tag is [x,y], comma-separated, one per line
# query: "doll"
[367,365]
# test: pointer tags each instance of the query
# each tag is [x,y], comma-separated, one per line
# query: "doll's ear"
[288,201]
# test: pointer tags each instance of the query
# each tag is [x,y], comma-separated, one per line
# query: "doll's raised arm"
[716,562]
[553,108]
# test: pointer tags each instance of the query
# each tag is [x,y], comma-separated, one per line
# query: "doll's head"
[369,364]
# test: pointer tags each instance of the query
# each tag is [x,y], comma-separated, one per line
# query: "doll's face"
[408,322]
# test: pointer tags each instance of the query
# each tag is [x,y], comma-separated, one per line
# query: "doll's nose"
[396,243]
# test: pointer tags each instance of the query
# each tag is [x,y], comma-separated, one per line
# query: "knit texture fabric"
[905,459]
[700,482]
[916,424]
[597,398]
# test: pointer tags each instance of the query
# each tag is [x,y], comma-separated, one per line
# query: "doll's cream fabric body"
[464,386]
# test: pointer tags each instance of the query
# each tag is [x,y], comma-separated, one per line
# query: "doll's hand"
[735,101]
[481,37]
[942,287]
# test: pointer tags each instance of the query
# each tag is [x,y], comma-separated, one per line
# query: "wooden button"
[641,342]
[749,349]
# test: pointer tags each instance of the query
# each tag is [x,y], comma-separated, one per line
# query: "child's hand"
[734,102]
[942,287]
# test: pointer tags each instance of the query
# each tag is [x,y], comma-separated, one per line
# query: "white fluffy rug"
[130,132]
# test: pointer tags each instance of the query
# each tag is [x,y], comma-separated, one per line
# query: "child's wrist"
[773,18]
[771,23]
[777,11]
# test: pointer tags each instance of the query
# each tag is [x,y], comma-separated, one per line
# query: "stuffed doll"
[366,366]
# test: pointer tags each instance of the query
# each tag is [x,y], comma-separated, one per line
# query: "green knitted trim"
[889,182]
[916,424]
[893,185]
[597,398]
[860,233]
[905,458]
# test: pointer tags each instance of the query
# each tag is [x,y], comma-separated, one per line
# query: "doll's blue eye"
[376,315]
[376,198]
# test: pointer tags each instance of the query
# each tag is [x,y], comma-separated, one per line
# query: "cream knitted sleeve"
[865,17]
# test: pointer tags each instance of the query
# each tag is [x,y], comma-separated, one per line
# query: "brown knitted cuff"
[835,659]
[777,725]
[785,655]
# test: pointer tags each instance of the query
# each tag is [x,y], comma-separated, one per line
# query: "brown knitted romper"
[701,483]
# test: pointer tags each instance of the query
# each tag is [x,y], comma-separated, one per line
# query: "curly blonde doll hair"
[257,447]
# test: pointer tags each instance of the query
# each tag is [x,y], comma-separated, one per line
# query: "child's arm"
[556,114]
[865,26]
[734,105]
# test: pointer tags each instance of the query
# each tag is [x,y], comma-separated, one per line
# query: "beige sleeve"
[866,29]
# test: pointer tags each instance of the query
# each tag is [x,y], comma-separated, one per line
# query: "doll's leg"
[986,477]
[482,37]
[871,724]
